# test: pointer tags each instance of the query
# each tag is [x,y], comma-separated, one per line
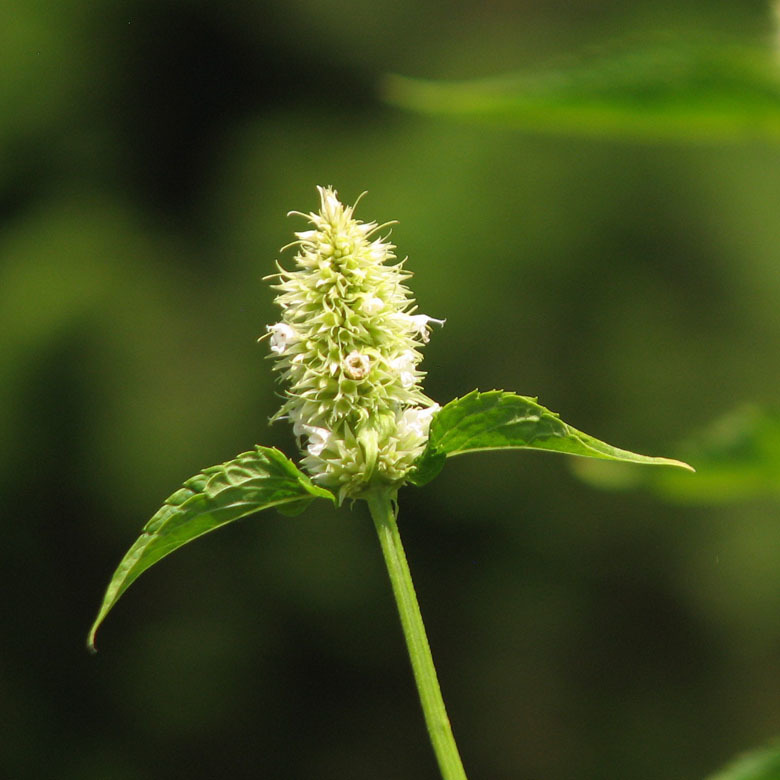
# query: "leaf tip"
[679,464]
[91,648]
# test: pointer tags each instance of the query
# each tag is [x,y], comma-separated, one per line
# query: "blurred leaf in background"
[737,458]
[759,765]
[689,88]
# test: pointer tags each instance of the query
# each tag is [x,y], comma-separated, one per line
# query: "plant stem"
[384,517]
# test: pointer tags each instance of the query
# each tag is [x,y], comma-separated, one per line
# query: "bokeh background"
[149,152]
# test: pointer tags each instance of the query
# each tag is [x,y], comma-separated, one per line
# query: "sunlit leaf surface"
[497,420]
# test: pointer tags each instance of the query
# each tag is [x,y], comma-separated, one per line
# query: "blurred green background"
[149,152]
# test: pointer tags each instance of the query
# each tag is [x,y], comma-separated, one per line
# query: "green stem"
[383,514]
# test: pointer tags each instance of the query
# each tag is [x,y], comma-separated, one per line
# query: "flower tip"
[329,200]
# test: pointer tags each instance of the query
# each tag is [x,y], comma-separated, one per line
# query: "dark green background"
[148,154]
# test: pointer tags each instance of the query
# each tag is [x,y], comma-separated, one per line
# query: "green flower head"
[348,348]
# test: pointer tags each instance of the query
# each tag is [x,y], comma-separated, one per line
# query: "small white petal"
[282,335]
[405,365]
[419,324]
[417,421]
[373,305]
[318,439]
[295,419]
[408,379]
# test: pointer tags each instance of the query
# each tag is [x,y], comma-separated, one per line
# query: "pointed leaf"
[498,420]
[659,89]
[737,457]
[252,481]
[760,765]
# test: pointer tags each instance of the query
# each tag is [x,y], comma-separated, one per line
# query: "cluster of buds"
[348,349]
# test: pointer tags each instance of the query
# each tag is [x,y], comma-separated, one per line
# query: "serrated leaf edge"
[114,591]
[583,438]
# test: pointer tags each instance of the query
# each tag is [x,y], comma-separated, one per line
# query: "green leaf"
[737,457]
[668,89]
[762,764]
[252,481]
[498,420]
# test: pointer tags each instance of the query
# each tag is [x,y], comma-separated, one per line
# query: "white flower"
[419,325]
[319,438]
[405,364]
[282,335]
[372,305]
[417,421]
[298,427]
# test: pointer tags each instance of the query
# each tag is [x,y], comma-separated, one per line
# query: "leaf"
[252,481]
[663,89]
[761,764]
[737,457]
[498,420]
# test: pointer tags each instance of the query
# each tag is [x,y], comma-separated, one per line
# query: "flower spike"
[348,348]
